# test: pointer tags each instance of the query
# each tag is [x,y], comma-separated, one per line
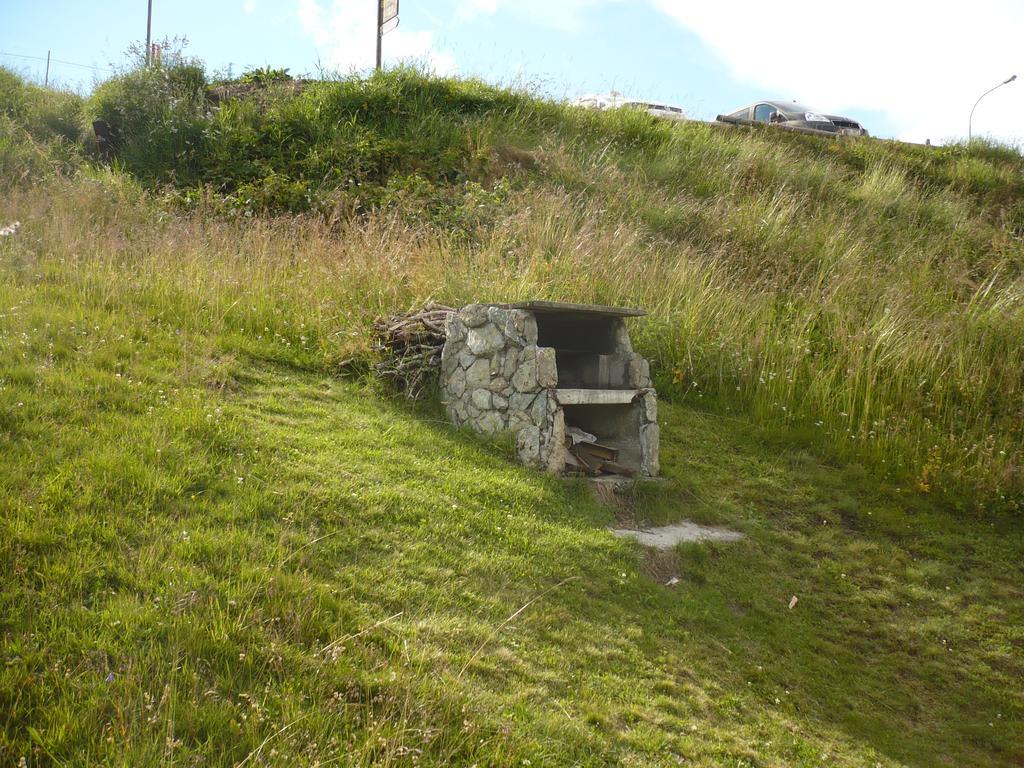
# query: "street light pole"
[380,31]
[149,30]
[970,119]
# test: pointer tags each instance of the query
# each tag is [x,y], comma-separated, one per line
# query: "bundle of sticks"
[410,346]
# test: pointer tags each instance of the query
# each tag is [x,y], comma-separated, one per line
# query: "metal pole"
[380,30]
[46,80]
[970,119]
[149,30]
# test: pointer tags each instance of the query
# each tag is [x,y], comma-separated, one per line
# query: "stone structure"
[547,371]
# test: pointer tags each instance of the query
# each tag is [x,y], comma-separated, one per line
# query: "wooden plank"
[596,450]
[595,396]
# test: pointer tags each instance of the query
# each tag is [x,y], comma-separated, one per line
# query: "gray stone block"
[639,372]
[521,401]
[528,446]
[520,327]
[490,423]
[530,328]
[498,384]
[510,362]
[481,398]
[497,316]
[457,383]
[449,359]
[622,342]
[478,376]
[542,407]
[547,371]
[518,420]
[650,459]
[474,315]
[650,403]
[525,378]
[454,329]
[552,449]
[484,340]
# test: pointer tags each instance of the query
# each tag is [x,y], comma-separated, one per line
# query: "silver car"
[616,101]
[792,115]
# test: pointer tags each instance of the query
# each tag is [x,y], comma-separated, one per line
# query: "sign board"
[389,11]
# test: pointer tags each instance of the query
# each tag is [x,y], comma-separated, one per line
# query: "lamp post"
[1010,79]
[380,32]
[149,30]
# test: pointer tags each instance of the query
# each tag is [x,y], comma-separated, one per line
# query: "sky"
[907,69]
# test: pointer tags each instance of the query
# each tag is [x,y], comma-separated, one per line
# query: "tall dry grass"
[900,362]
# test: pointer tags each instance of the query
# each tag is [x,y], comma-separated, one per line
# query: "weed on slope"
[215,552]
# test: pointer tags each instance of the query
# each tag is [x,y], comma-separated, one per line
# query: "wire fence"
[50,63]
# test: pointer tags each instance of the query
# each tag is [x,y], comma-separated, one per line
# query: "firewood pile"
[586,456]
[410,346]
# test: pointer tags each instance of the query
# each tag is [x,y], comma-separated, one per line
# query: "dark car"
[848,125]
[792,115]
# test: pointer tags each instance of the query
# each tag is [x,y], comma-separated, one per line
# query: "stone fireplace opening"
[591,351]
[562,377]
[615,426]
[579,332]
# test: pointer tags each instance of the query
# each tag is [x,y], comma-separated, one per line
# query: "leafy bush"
[265,76]
[157,116]
[294,148]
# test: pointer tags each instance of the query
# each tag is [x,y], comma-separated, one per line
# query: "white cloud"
[249,6]
[566,15]
[920,62]
[343,30]
[470,9]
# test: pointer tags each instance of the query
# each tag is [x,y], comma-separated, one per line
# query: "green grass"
[215,551]
[865,288]
[220,545]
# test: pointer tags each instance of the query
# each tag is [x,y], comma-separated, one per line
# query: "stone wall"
[495,378]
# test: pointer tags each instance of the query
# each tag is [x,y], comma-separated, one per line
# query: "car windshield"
[797,111]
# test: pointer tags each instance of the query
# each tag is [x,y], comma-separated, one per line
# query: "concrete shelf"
[596,396]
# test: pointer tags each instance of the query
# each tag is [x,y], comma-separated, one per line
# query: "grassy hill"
[221,546]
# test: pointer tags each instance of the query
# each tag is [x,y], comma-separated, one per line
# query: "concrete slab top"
[566,307]
[596,396]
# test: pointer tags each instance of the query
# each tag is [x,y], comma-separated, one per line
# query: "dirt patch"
[662,566]
[668,536]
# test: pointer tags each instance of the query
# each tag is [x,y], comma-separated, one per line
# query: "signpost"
[387,11]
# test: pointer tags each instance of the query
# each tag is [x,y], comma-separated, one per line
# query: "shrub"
[265,76]
[157,116]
